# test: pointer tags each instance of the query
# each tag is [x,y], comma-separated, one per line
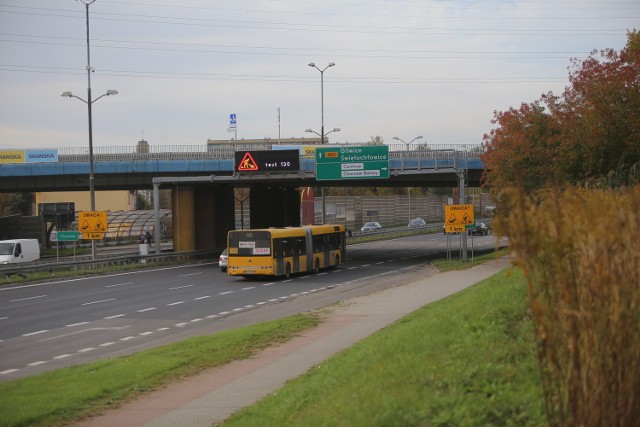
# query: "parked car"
[371,226]
[222,261]
[480,229]
[417,223]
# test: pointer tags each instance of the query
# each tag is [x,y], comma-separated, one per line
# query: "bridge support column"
[182,205]
[274,207]
[214,216]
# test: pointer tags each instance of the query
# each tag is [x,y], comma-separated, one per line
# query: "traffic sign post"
[64,236]
[363,162]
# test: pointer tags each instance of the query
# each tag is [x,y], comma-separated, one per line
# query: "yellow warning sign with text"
[458,215]
[92,236]
[92,222]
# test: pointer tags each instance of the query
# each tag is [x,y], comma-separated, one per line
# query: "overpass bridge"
[202,180]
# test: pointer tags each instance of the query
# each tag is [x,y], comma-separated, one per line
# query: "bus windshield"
[250,243]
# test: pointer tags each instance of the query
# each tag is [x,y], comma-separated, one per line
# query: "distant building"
[105,200]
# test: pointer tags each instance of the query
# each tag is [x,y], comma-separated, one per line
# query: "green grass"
[468,360]
[456,264]
[56,397]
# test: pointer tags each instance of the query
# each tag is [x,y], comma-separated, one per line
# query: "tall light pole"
[89,103]
[408,143]
[331,64]
[331,131]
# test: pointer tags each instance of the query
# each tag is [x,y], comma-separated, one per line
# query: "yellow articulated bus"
[285,251]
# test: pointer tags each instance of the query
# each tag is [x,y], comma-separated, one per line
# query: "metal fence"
[202,152]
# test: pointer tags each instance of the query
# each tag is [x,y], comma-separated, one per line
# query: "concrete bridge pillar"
[274,206]
[202,216]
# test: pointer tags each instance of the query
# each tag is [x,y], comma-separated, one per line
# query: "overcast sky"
[403,68]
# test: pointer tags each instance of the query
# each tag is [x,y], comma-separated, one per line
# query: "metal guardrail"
[200,152]
[108,262]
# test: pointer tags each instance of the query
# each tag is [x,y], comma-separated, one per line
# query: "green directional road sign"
[68,236]
[362,162]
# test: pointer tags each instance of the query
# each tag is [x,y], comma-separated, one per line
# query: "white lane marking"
[379,262]
[62,356]
[249,288]
[144,334]
[181,325]
[107,344]
[225,293]
[224,313]
[269,284]
[3,318]
[127,338]
[249,306]
[146,309]
[305,277]
[352,268]
[237,309]
[119,284]
[26,299]
[38,363]
[273,300]
[99,301]
[195,320]
[162,329]
[76,324]
[115,317]
[212,316]
[8,371]
[365,265]
[180,287]
[35,333]
[175,303]
[190,274]
[204,297]
[262,303]
[84,350]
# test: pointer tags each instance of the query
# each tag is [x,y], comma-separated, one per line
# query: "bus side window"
[300,246]
[277,248]
[287,247]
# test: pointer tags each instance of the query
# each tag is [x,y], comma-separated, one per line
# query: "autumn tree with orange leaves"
[589,136]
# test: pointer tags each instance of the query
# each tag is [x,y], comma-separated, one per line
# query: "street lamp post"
[331,64]
[89,103]
[408,143]
[322,188]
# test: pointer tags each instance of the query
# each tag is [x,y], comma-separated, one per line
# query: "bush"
[580,253]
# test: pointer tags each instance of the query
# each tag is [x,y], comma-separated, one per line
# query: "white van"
[19,250]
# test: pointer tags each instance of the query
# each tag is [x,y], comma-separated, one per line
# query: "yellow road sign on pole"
[92,222]
[459,215]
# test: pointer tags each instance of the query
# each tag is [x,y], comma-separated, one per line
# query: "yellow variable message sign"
[92,222]
[458,215]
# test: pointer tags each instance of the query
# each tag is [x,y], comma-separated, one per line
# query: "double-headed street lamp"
[408,143]
[321,136]
[89,101]
[331,64]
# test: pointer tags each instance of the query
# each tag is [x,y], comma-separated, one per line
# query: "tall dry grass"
[580,251]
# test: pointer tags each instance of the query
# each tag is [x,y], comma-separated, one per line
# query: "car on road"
[479,229]
[417,223]
[222,260]
[371,226]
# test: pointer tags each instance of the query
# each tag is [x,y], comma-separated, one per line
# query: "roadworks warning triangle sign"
[247,163]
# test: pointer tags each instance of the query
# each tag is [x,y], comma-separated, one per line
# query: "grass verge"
[56,397]
[467,360]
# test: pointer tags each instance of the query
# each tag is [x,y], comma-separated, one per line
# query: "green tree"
[16,204]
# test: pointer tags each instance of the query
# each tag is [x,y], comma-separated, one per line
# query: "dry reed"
[580,251]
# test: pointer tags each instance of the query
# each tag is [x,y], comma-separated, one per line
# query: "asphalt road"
[44,326]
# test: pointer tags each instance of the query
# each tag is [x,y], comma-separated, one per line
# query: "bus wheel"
[287,271]
[317,266]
